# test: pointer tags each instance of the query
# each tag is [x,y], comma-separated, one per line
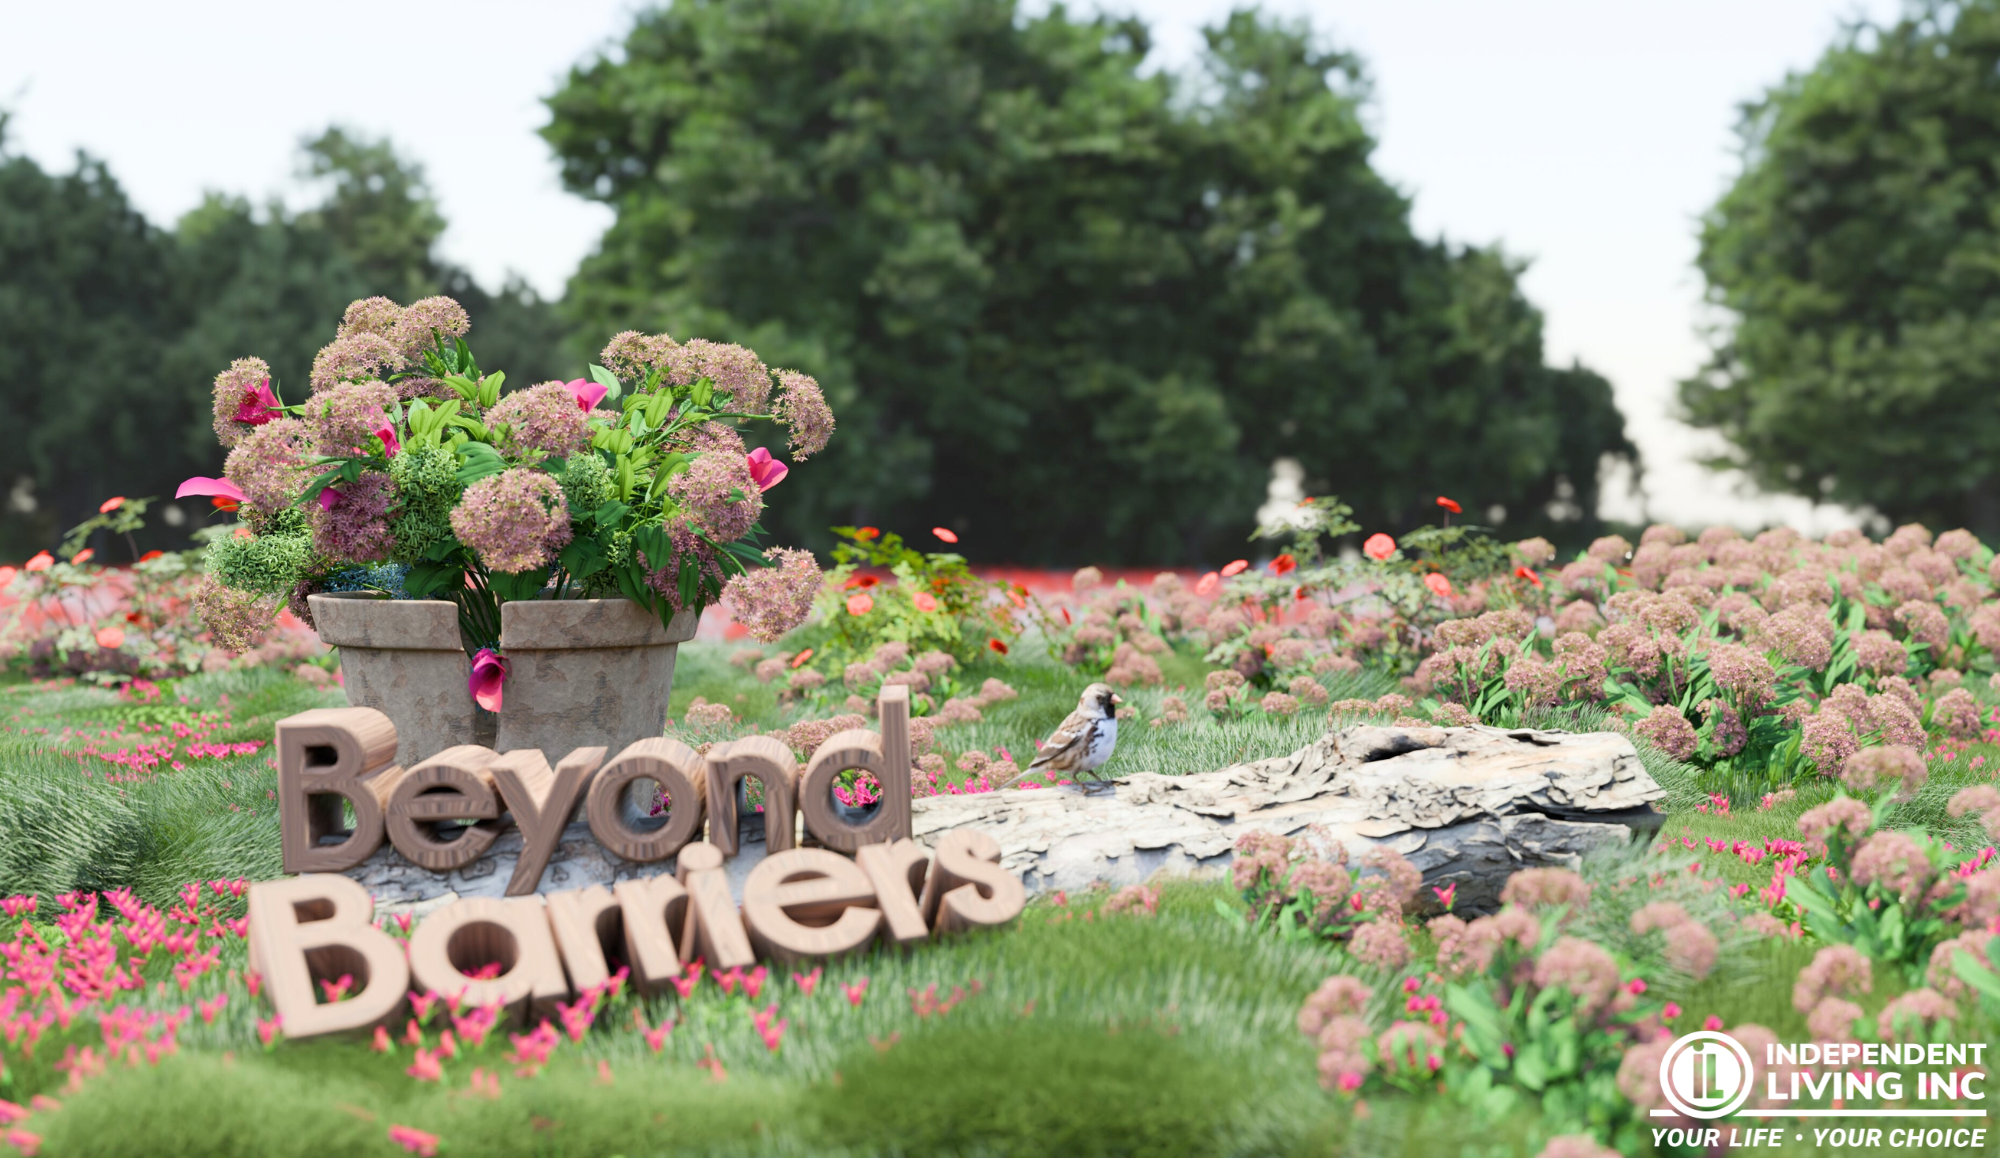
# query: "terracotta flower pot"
[581,671]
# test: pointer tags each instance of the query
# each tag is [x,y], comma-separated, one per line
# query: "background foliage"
[112,329]
[1855,255]
[1022,265]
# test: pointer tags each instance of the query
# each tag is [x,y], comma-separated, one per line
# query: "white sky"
[1585,136]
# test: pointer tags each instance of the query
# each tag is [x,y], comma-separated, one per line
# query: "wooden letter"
[678,770]
[886,757]
[714,929]
[316,928]
[541,803]
[806,902]
[468,934]
[897,871]
[650,908]
[771,763]
[325,756]
[584,921]
[968,888]
[455,784]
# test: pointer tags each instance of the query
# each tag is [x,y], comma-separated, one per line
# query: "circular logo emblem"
[1706,1074]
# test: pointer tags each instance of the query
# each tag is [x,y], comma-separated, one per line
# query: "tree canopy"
[1065,306]
[1858,257]
[111,329]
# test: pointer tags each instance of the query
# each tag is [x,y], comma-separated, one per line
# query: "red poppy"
[1528,573]
[1299,594]
[862,581]
[1014,596]
[867,532]
[1237,567]
[800,659]
[224,503]
[1379,547]
[860,604]
[1439,585]
[150,556]
[111,504]
[1448,505]
[997,645]
[942,533]
[1283,564]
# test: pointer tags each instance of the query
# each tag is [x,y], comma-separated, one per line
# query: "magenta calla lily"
[328,498]
[203,485]
[766,471]
[390,447]
[259,405]
[586,392]
[488,679]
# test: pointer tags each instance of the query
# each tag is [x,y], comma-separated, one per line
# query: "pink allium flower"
[1840,812]
[355,529]
[1925,622]
[1833,1020]
[1279,704]
[1943,971]
[355,357]
[514,521]
[1894,861]
[1802,634]
[423,322]
[803,408]
[242,394]
[344,415]
[1887,765]
[1338,996]
[719,496]
[1879,653]
[541,419]
[269,466]
[369,316]
[1959,714]
[1668,730]
[1835,970]
[1743,674]
[1545,888]
[1910,1016]
[736,372]
[1588,972]
[632,355]
[766,471]
[1827,738]
[1728,735]
[233,618]
[1692,948]
[771,601]
[1381,943]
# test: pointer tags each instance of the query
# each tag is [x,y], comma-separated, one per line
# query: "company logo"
[1706,1075]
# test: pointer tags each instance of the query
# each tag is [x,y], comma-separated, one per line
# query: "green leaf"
[427,579]
[481,460]
[608,380]
[515,586]
[582,558]
[656,543]
[611,513]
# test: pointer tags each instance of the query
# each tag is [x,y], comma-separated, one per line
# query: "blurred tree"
[1069,308]
[1858,256]
[85,297]
[113,331]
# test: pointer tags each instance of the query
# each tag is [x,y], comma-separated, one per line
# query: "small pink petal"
[586,392]
[328,498]
[203,485]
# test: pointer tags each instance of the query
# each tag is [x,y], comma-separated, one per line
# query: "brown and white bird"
[1083,742]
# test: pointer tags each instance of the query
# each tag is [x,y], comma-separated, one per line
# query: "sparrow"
[1083,742]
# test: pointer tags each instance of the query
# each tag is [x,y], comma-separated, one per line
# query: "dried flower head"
[238,396]
[735,371]
[1885,766]
[514,521]
[423,323]
[541,419]
[802,407]
[1669,731]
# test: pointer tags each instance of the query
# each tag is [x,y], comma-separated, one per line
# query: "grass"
[1166,1035]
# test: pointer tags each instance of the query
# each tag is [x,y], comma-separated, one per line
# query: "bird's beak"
[1116,698]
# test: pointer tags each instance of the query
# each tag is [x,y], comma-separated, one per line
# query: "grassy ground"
[1163,1035]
